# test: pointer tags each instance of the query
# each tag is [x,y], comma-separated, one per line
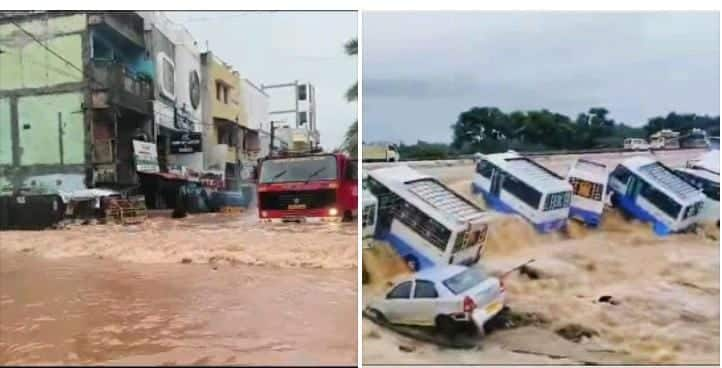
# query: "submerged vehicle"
[703,173]
[451,298]
[425,222]
[646,189]
[308,187]
[512,183]
[589,184]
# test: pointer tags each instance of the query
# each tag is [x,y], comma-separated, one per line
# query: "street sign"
[146,157]
[185,142]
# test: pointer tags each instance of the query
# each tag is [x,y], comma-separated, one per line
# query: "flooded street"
[208,289]
[662,295]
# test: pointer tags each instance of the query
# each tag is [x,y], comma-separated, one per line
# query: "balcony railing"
[123,88]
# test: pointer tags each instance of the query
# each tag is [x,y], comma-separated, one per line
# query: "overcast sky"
[421,69]
[279,47]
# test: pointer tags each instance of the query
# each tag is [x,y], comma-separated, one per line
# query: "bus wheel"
[412,262]
[347,216]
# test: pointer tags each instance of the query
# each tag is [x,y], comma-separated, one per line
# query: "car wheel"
[412,262]
[377,315]
[445,325]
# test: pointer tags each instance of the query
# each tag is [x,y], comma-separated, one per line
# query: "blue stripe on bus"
[405,250]
[498,205]
[588,217]
[639,213]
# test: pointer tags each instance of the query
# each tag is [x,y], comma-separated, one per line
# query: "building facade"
[74,93]
[77,88]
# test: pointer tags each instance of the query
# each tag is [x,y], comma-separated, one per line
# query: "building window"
[222,92]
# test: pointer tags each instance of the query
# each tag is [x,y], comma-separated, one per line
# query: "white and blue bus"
[704,174]
[589,185]
[425,222]
[647,190]
[511,183]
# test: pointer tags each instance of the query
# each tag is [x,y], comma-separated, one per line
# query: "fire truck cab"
[318,187]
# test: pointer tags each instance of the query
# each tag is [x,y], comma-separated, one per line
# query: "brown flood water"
[65,299]
[666,293]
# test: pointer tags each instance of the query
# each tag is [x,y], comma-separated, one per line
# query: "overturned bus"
[425,222]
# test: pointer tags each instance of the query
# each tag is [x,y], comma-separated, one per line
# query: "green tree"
[350,143]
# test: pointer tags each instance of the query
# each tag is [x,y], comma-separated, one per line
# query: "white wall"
[255,103]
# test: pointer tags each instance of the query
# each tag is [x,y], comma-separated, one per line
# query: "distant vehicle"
[646,189]
[713,143]
[635,144]
[308,187]
[664,139]
[696,138]
[425,222]
[589,185]
[704,174]
[369,215]
[451,298]
[512,183]
[380,153]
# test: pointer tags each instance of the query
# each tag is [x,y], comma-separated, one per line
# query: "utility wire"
[66,61]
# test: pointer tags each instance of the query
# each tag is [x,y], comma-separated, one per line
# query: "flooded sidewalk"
[84,310]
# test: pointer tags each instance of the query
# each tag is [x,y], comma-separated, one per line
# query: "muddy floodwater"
[660,295]
[208,289]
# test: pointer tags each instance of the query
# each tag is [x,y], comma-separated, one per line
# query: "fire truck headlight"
[264,213]
[332,212]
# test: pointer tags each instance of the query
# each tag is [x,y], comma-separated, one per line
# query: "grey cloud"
[421,69]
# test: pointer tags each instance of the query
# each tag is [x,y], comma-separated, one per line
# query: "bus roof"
[529,171]
[589,170]
[428,195]
[654,172]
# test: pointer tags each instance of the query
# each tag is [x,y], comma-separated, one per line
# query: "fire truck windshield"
[301,169]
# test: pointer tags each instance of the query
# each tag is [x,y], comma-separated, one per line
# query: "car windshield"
[298,169]
[465,280]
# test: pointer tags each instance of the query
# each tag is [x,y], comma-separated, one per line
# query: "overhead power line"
[52,52]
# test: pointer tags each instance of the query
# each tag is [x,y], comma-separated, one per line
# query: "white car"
[450,298]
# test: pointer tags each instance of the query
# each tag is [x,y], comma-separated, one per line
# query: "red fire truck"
[308,187]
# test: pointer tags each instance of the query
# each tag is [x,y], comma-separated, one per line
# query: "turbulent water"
[201,238]
[665,293]
[208,289]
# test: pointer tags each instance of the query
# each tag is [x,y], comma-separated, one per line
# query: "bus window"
[422,224]
[711,190]
[621,174]
[472,240]
[692,210]
[556,201]
[587,189]
[525,193]
[661,201]
[484,168]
